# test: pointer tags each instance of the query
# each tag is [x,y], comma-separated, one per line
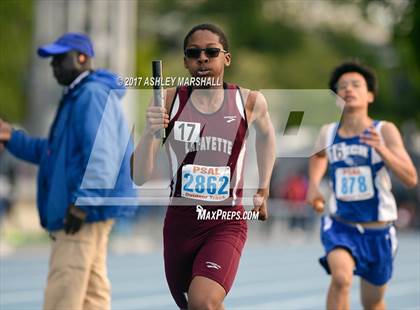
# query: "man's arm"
[392,152]
[20,144]
[265,143]
[146,151]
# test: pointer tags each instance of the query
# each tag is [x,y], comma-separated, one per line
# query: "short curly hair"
[354,66]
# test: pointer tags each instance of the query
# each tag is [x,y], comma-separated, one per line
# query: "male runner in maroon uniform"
[206,133]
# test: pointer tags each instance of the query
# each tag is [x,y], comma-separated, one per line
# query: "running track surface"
[270,277]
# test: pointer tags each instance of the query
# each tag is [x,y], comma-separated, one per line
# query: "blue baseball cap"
[70,41]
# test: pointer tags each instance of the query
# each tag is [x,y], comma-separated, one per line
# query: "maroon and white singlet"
[206,154]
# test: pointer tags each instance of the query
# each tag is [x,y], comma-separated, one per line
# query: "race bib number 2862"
[205,183]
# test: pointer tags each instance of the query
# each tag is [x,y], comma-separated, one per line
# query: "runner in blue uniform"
[358,235]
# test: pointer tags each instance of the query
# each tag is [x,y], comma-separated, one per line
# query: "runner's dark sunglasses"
[195,52]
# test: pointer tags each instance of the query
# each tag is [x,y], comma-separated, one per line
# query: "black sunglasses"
[195,52]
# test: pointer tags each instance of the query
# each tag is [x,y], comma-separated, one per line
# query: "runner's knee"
[203,302]
[341,280]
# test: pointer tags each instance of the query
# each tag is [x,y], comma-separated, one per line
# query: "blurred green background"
[274,44]
[16,23]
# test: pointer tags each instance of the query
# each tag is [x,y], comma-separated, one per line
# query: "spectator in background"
[89,134]
[293,191]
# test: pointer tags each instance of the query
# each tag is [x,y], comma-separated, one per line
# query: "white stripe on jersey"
[331,132]
[240,104]
[175,107]
[174,161]
[241,108]
[387,207]
[240,164]
[329,139]
[172,155]
[332,206]
[375,156]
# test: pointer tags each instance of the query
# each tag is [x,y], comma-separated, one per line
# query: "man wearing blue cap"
[85,157]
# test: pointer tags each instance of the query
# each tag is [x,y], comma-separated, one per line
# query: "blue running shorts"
[373,249]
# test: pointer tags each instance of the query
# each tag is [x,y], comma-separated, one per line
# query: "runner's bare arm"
[265,140]
[257,113]
[393,152]
[145,153]
[318,164]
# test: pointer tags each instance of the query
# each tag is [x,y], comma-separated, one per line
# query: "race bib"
[187,131]
[354,183]
[205,183]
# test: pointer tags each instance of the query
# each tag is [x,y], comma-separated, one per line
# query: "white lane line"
[315,301]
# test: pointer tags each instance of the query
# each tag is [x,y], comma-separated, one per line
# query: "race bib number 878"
[354,183]
[205,183]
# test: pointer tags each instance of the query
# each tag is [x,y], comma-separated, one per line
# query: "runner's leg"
[372,296]
[341,264]
[205,293]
